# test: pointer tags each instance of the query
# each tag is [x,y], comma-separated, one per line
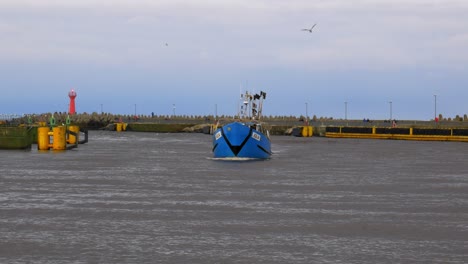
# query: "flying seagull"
[310,30]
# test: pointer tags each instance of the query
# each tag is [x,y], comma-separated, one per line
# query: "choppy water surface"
[160,198]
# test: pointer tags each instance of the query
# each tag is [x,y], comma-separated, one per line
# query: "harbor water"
[160,198]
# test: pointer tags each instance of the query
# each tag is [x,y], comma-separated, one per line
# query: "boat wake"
[234,159]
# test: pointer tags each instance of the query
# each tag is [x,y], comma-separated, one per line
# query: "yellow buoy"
[59,141]
[43,139]
[72,139]
[307,131]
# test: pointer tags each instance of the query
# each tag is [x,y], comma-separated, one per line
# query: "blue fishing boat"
[247,138]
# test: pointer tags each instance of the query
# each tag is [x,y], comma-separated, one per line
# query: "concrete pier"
[423,134]
[15,137]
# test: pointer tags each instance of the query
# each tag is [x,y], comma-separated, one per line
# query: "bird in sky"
[310,30]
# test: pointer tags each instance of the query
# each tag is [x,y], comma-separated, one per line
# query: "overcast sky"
[197,55]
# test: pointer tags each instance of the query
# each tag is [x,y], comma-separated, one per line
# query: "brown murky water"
[160,198]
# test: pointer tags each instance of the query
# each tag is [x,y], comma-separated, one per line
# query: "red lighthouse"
[72,95]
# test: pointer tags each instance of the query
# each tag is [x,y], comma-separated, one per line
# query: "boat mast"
[239,111]
[257,105]
[251,105]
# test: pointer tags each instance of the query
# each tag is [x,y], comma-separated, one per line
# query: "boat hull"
[238,140]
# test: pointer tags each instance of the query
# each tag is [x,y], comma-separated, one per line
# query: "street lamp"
[307,111]
[346,110]
[173,109]
[390,109]
[216,111]
[135,110]
[435,107]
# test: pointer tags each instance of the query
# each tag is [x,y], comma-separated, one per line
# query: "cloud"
[363,34]
[6,28]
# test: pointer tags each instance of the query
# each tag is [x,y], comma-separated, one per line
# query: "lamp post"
[307,111]
[435,107]
[173,110]
[390,109]
[216,111]
[135,110]
[346,110]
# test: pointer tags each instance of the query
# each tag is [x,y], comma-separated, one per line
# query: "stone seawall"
[160,128]
[191,128]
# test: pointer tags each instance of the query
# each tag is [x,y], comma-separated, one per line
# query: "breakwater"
[160,128]
[403,133]
[192,128]
[96,121]
[425,134]
[452,130]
